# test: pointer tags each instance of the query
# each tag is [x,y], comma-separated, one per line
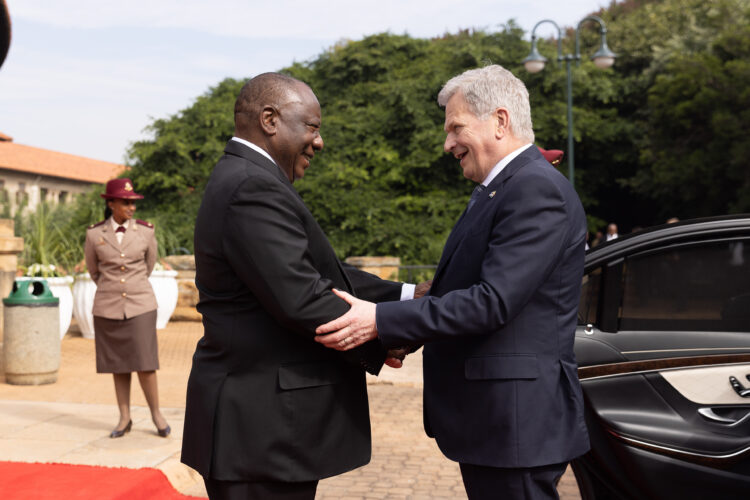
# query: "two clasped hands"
[358,326]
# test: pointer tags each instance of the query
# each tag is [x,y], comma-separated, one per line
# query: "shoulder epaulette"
[144,223]
[92,226]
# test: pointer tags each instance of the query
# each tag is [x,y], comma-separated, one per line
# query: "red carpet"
[25,481]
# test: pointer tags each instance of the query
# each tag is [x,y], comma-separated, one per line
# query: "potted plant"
[84,290]
[163,281]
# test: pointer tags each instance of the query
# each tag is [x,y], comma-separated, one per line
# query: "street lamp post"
[603,59]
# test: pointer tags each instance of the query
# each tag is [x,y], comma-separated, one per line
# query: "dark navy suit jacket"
[500,377]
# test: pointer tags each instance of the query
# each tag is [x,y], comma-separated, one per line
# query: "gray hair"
[491,87]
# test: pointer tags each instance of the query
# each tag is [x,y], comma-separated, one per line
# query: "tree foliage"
[660,134]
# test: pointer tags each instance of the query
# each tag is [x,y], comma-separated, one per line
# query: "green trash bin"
[31,333]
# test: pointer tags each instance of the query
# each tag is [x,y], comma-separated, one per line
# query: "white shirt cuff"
[407,291]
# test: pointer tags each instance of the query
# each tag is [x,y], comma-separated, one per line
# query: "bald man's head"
[266,89]
[281,115]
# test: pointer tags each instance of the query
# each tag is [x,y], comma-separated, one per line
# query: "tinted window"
[698,287]
[590,296]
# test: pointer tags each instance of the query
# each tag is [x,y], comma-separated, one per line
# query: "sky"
[87,77]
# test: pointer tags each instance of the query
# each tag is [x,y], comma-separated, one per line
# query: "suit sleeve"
[266,243]
[92,264]
[370,287]
[527,237]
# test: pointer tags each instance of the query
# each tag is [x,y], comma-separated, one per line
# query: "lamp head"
[534,62]
[603,58]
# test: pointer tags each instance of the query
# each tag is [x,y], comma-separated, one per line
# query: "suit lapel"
[108,235]
[129,235]
[492,192]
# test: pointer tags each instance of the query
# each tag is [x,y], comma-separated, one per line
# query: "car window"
[697,287]
[589,296]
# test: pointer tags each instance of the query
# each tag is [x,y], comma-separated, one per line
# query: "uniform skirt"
[126,345]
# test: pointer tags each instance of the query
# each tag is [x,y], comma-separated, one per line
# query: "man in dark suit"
[269,411]
[501,391]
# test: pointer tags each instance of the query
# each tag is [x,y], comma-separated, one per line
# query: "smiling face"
[472,141]
[122,210]
[297,133]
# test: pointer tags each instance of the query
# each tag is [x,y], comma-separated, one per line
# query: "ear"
[502,122]
[269,119]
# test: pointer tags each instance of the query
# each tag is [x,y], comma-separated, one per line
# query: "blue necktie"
[474,197]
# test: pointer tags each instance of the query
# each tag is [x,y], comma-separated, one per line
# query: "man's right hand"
[354,328]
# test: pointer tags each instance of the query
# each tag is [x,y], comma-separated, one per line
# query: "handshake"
[358,326]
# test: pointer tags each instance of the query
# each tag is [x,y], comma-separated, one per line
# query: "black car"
[663,349]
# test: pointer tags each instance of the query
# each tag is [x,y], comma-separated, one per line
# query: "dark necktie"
[120,229]
[474,196]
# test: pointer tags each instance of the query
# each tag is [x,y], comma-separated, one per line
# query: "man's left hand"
[422,288]
[352,329]
[395,357]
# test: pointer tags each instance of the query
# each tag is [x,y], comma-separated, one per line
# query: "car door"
[664,362]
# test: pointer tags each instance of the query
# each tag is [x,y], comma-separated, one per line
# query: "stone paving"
[69,422]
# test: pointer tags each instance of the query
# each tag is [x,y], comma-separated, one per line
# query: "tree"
[660,134]
[699,112]
[172,168]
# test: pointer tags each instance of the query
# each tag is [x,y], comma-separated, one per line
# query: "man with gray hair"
[501,391]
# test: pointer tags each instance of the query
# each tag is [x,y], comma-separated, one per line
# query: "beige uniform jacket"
[121,271]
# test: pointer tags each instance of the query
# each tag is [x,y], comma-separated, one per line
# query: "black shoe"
[118,434]
[164,432]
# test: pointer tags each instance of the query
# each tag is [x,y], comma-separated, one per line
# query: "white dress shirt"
[115,225]
[503,163]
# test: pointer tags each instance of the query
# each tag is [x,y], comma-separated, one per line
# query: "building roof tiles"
[52,163]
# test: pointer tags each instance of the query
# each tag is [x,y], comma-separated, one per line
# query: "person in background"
[120,254]
[612,231]
[598,239]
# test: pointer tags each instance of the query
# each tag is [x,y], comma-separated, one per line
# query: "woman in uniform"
[120,255]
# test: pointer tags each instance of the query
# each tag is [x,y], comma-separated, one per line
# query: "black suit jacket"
[264,400]
[500,377]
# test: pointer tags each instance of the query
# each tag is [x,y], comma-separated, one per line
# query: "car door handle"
[710,414]
[739,388]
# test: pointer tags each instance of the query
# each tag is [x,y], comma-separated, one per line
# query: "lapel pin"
[492,194]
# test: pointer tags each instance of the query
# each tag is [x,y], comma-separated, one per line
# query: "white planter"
[84,290]
[165,289]
[60,288]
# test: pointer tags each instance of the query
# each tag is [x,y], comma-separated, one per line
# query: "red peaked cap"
[121,188]
[554,156]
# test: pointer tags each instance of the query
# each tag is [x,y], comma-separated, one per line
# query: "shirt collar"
[254,148]
[502,164]
[115,225]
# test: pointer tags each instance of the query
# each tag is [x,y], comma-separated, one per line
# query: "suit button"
[122,255]
[122,280]
[124,294]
